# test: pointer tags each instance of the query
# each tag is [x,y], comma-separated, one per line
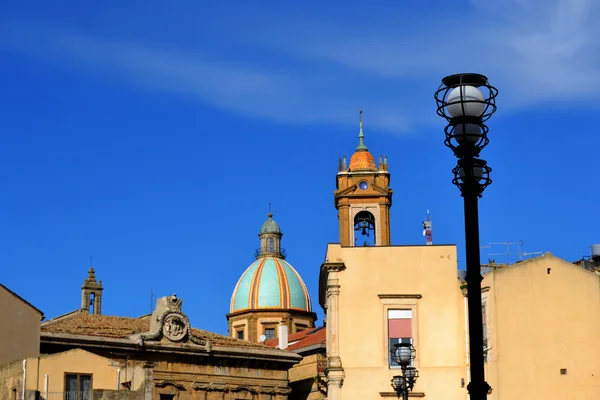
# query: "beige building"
[542,318]
[307,378]
[20,327]
[376,295]
[85,355]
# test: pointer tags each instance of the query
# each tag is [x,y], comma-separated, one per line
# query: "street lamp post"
[467,101]
[404,354]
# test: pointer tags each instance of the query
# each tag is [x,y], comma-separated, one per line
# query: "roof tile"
[108,326]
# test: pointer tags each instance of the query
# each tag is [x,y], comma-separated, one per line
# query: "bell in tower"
[91,294]
[363,198]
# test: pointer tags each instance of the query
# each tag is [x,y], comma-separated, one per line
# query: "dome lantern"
[270,240]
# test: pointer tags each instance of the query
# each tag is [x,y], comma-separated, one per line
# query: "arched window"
[364,229]
[271,245]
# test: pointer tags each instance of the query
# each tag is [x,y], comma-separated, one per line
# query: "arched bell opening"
[364,229]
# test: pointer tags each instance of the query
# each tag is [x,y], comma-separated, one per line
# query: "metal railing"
[67,396]
[267,251]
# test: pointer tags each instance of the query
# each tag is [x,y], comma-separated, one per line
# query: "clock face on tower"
[363,185]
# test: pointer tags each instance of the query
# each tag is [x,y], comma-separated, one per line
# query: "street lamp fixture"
[404,354]
[466,102]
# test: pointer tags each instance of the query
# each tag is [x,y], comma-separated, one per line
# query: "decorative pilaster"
[334,371]
[148,381]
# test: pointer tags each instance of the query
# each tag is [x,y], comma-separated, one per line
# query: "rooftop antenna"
[533,253]
[91,264]
[427,232]
[508,253]
[520,253]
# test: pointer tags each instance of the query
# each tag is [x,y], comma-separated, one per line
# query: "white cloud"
[534,50]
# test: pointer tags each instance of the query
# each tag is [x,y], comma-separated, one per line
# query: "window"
[78,387]
[240,334]
[485,330]
[399,331]
[167,397]
[270,333]
[271,245]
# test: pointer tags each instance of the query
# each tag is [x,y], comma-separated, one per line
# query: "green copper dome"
[270,226]
[270,283]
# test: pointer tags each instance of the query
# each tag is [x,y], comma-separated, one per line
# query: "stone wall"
[11,380]
[118,395]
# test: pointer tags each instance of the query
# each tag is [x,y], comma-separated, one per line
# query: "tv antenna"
[427,232]
[520,254]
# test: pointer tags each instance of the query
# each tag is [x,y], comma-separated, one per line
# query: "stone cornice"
[326,268]
[393,394]
[161,347]
[222,387]
[336,266]
[400,296]
[162,384]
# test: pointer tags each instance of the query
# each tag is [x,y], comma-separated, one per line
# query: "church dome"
[362,161]
[270,283]
[270,226]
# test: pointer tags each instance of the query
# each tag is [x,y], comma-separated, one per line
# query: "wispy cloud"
[318,72]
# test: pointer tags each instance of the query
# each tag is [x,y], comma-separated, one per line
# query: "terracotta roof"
[362,160]
[22,299]
[82,323]
[300,340]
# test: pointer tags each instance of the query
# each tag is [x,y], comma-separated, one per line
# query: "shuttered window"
[399,331]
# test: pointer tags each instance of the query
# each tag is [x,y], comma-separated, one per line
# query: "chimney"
[283,335]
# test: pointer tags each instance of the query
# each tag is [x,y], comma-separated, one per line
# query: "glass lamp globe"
[467,132]
[409,373]
[465,98]
[397,381]
[404,354]
[477,173]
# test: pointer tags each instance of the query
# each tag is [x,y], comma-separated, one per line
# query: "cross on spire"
[361,136]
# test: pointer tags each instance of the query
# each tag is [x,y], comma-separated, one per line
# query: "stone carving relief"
[174,327]
[227,388]
[170,322]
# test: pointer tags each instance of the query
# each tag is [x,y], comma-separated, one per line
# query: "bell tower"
[91,294]
[363,198]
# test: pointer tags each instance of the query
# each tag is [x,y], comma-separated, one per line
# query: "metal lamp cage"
[466,134]
[477,173]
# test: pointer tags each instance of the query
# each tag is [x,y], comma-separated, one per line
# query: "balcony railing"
[67,396]
[266,251]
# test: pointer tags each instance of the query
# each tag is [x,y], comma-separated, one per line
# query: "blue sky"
[153,136]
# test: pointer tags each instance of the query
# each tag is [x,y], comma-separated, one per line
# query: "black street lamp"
[467,101]
[404,354]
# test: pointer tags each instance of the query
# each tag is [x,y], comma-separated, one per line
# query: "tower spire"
[361,136]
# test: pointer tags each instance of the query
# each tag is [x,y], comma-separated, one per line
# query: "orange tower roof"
[362,160]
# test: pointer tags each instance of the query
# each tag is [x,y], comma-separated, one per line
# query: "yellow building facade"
[541,316]
[542,319]
[20,327]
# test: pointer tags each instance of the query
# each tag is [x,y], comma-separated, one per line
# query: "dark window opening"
[364,229]
[167,397]
[78,387]
[91,305]
[270,333]
[271,242]
[240,335]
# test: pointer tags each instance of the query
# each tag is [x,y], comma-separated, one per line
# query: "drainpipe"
[24,378]
[46,385]
[467,343]
[118,378]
